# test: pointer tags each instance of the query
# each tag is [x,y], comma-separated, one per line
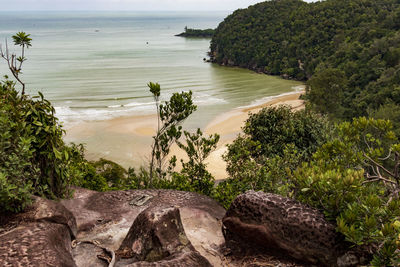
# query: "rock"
[40,236]
[272,221]
[106,217]
[87,254]
[51,211]
[157,238]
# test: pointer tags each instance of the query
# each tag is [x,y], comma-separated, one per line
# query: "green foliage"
[15,62]
[169,117]
[194,175]
[83,173]
[270,175]
[194,171]
[349,49]
[352,176]
[34,158]
[114,174]
[275,142]
[389,111]
[325,91]
[363,212]
[360,144]
[273,128]
[354,180]
[22,39]
[328,189]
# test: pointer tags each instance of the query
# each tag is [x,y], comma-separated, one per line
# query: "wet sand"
[127,140]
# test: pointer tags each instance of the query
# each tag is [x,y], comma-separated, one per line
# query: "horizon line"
[116,10]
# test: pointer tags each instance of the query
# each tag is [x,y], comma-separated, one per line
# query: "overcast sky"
[126,4]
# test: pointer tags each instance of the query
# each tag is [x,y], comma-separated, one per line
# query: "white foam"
[299,88]
[115,106]
[138,104]
[204,99]
[266,99]
[71,115]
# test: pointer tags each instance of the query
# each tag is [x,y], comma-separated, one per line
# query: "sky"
[135,5]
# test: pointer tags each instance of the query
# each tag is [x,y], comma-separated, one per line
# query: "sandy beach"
[127,140]
[228,126]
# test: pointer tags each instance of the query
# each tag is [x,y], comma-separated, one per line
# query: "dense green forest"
[349,50]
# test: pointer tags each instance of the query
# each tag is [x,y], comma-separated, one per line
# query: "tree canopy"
[349,44]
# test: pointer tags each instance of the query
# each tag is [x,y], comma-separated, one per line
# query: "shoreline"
[127,140]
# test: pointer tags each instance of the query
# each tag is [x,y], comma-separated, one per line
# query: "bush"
[274,128]
[354,181]
[275,142]
[34,158]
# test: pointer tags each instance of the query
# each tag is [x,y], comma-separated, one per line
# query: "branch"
[377,178]
[388,156]
[380,166]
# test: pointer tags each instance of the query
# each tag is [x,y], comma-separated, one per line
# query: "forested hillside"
[348,50]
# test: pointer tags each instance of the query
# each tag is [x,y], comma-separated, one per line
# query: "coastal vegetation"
[207,33]
[340,155]
[347,50]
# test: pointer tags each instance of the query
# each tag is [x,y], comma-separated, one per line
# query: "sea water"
[96,65]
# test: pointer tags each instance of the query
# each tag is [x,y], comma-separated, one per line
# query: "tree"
[169,117]
[21,39]
[34,160]
[325,91]
[194,171]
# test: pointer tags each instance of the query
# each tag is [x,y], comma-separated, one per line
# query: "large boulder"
[157,238]
[40,236]
[105,218]
[272,221]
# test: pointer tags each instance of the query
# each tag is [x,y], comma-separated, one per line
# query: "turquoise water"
[95,65]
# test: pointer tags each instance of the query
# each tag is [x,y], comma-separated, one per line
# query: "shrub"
[34,158]
[354,180]
[275,127]
[275,142]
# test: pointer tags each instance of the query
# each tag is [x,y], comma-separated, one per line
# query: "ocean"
[96,65]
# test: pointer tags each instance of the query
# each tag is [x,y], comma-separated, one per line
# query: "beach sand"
[127,140]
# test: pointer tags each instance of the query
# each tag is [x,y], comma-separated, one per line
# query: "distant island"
[207,33]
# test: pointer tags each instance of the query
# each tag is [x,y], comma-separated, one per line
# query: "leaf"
[66,154]
[37,123]
[57,153]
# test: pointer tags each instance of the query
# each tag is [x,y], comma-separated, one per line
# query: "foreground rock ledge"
[40,236]
[166,228]
[88,229]
[272,221]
